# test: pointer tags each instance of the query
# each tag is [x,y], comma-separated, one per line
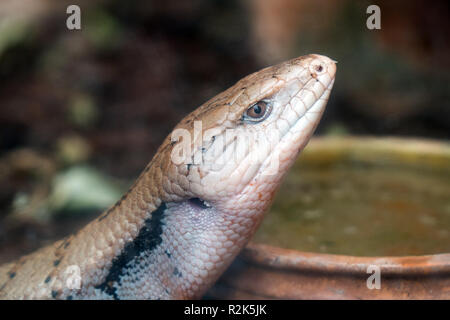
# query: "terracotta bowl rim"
[275,257]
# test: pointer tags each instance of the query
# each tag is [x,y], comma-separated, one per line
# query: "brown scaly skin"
[180,225]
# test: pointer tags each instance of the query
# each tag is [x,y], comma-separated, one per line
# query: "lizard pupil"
[257,109]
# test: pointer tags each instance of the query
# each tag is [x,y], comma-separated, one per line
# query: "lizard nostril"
[317,67]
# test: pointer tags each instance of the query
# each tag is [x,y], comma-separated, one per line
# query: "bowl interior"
[364,197]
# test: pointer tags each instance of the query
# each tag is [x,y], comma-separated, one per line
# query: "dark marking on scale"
[177,272]
[147,240]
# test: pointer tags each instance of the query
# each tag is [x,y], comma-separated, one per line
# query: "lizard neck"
[180,250]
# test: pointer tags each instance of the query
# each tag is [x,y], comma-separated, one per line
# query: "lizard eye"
[258,112]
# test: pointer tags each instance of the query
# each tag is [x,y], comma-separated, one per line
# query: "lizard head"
[239,144]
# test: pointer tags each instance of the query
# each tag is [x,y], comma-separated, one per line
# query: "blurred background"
[82,112]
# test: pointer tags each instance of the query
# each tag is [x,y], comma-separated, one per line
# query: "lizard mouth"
[304,102]
[314,112]
[297,136]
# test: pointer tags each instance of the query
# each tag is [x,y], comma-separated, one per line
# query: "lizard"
[198,201]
